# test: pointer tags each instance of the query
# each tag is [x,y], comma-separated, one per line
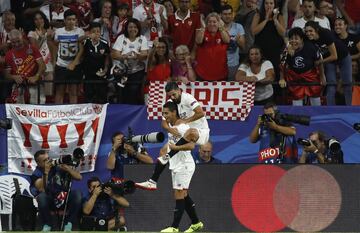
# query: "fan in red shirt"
[211,55]
[158,63]
[182,25]
[24,65]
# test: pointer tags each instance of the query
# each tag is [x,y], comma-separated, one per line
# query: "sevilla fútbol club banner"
[220,100]
[58,129]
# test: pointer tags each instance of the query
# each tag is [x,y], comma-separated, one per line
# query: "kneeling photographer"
[99,207]
[319,149]
[276,135]
[51,186]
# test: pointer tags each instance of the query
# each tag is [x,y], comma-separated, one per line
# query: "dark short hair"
[134,21]
[226,7]
[270,105]
[94,25]
[123,6]
[171,86]
[68,13]
[115,134]
[92,179]
[38,153]
[170,105]
[314,25]
[296,31]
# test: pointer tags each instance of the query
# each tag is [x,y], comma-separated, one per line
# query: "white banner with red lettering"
[58,129]
[220,100]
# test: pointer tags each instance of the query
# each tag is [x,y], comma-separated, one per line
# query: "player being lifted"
[190,113]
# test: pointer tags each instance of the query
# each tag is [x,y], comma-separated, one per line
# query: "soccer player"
[182,168]
[191,113]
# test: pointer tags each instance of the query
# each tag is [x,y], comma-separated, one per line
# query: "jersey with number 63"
[68,45]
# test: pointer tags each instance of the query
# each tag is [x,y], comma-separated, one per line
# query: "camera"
[154,137]
[119,188]
[303,142]
[72,160]
[118,74]
[6,123]
[333,145]
[284,118]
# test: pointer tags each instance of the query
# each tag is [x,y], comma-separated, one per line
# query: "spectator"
[319,152]
[334,53]
[271,133]
[245,17]
[96,63]
[68,41]
[38,38]
[268,26]
[101,204]
[83,11]
[300,67]
[182,68]
[169,7]
[120,20]
[351,41]
[159,68]
[350,10]
[152,17]
[257,69]
[205,154]
[5,5]
[182,25]
[8,24]
[309,15]
[50,186]
[55,13]
[237,39]
[325,10]
[25,66]
[106,20]
[131,49]
[212,45]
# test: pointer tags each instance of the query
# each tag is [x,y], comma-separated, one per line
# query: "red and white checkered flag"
[220,100]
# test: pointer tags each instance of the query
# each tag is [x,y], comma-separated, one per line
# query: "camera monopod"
[65,208]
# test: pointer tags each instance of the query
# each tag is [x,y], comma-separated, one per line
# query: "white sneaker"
[164,159]
[147,185]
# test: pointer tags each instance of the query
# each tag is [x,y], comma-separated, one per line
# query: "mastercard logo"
[268,198]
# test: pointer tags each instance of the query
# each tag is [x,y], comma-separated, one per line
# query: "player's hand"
[172,146]
[174,132]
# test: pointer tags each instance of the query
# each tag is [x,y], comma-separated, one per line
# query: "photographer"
[122,153]
[317,149]
[50,185]
[100,204]
[276,138]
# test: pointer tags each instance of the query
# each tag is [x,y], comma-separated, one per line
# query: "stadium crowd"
[72,51]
